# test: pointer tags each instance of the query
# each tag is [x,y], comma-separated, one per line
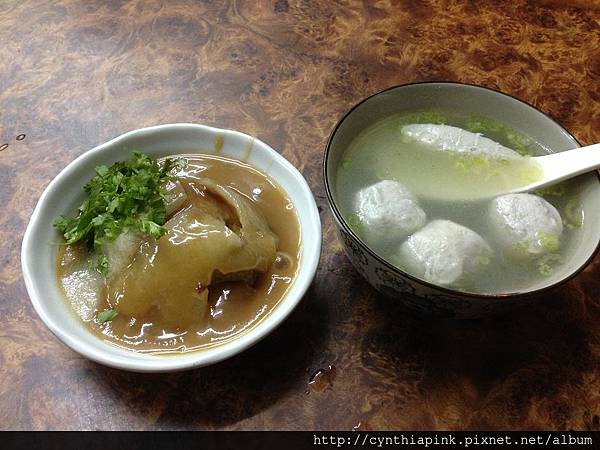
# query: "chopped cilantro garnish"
[547,263]
[481,124]
[107,315]
[500,132]
[428,116]
[354,222]
[522,247]
[529,173]
[548,242]
[573,214]
[484,260]
[125,196]
[517,142]
[471,163]
[555,190]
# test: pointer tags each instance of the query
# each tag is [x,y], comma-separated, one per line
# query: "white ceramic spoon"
[563,165]
[517,175]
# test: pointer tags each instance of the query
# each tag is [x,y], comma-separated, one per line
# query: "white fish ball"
[388,211]
[456,140]
[525,224]
[445,253]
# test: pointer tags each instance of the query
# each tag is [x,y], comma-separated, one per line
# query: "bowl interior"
[64,194]
[480,101]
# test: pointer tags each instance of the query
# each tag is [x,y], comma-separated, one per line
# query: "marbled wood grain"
[76,73]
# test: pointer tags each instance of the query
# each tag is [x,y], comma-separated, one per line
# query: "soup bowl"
[65,193]
[415,292]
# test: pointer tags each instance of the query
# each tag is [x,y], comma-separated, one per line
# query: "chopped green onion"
[107,315]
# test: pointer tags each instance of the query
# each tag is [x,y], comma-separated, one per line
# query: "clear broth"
[379,153]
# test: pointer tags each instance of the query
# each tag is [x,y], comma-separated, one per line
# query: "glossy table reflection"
[77,73]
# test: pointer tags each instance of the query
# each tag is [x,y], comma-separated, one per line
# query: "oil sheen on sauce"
[234,306]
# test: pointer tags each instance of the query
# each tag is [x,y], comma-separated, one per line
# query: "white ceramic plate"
[64,194]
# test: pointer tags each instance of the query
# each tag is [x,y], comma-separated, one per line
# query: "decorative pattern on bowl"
[419,294]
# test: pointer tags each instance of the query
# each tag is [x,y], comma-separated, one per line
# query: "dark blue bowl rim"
[340,218]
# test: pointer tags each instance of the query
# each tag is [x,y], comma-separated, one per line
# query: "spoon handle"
[563,165]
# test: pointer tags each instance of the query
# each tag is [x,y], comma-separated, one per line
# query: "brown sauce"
[234,307]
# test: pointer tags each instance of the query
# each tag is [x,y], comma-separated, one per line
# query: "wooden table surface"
[74,74]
